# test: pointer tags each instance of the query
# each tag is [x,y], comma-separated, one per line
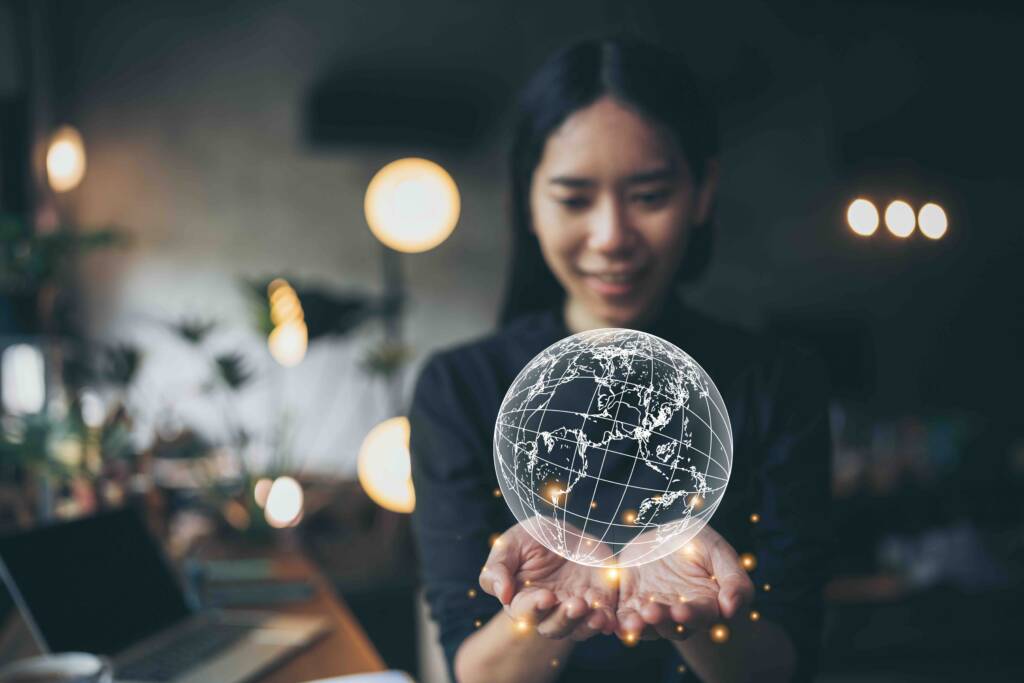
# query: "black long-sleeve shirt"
[776,400]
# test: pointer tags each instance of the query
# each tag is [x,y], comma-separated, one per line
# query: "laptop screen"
[94,585]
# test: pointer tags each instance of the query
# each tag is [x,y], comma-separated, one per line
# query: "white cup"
[66,667]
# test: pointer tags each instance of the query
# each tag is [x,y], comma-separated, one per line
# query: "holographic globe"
[613,448]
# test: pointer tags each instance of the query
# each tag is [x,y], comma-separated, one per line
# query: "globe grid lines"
[600,471]
[631,427]
[667,382]
[543,413]
[538,390]
[660,394]
[634,487]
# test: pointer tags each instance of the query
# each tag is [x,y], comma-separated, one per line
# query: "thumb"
[496,578]
[736,588]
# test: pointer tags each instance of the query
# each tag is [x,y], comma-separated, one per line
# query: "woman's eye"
[651,198]
[574,202]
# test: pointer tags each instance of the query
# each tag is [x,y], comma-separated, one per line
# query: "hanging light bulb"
[384,466]
[284,503]
[899,218]
[862,217]
[932,221]
[65,159]
[412,205]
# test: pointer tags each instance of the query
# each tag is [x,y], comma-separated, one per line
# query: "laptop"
[102,585]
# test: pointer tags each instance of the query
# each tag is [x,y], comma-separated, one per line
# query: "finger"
[630,624]
[532,607]
[603,604]
[589,627]
[735,591]
[565,619]
[502,564]
[697,613]
[735,587]
[496,580]
[654,613]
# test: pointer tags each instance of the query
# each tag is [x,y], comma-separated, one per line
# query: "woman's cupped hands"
[690,589]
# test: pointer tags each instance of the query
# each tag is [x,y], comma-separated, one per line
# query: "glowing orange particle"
[748,561]
[719,633]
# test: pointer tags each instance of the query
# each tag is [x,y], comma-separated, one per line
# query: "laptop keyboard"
[185,651]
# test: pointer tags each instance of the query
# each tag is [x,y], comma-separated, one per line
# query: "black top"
[776,399]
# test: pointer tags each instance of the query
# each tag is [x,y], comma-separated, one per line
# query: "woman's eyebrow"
[572,181]
[652,176]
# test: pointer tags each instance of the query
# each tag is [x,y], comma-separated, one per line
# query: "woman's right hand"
[542,590]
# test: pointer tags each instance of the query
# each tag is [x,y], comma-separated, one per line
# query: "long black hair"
[647,78]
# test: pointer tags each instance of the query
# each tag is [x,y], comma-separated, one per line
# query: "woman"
[614,172]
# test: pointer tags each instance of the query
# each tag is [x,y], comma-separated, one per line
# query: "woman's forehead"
[607,140]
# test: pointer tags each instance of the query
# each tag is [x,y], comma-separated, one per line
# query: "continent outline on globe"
[561,456]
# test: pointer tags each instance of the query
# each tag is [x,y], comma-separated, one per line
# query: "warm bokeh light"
[284,503]
[900,219]
[748,561]
[754,518]
[719,633]
[65,159]
[932,221]
[94,413]
[412,205]
[288,342]
[23,374]
[260,491]
[862,217]
[755,615]
[384,467]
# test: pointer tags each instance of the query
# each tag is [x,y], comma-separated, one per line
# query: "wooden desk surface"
[345,650]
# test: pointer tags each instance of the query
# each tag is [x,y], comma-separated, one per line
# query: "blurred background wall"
[197,120]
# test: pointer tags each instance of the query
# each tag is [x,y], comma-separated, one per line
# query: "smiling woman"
[614,172]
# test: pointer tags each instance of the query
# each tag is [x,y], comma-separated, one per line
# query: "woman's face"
[612,202]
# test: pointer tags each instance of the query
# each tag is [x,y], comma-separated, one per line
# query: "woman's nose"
[609,227]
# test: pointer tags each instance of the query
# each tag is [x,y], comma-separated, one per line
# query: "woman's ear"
[705,197]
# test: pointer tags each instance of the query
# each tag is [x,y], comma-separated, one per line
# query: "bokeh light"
[288,342]
[23,374]
[932,220]
[261,490]
[284,503]
[748,561]
[290,337]
[65,159]
[900,219]
[384,467]
[862,217]
[412,205]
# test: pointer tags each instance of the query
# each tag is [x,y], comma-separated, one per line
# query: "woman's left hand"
[692,588]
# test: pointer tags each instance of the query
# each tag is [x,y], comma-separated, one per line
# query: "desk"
[345,650]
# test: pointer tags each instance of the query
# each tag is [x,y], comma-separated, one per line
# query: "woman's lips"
[613,284]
